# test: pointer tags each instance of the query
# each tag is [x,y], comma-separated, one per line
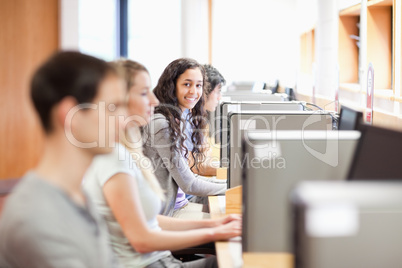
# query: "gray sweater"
[41,227]
[173,172]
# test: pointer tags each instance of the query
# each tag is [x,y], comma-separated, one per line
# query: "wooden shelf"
[378,93]
[381,29]
[355,9]
[351,11]
[385,94]
[379,3]
[351,87]
[379,43]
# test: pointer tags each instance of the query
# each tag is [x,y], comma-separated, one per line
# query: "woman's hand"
[228,230]
[228,218]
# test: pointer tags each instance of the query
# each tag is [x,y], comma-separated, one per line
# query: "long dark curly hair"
[165,91]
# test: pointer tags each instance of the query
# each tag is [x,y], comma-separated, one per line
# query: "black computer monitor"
[349,119]
[275,88]
[378,155]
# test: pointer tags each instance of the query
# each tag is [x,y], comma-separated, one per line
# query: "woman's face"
[189,87]
[213,99]
[141,101]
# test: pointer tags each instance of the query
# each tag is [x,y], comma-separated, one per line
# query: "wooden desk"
[229,253]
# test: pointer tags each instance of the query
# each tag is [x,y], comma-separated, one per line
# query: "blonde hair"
[132,138]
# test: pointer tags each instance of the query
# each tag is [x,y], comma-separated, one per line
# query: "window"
[154,33]
[255,40]
[98,28]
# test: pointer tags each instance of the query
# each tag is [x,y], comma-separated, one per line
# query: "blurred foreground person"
[47,220]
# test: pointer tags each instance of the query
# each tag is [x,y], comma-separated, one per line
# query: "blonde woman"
[129,196]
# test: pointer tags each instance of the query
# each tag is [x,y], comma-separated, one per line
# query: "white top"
[101,170]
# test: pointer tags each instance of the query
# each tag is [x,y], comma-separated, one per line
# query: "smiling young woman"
[177,131]
[213,96]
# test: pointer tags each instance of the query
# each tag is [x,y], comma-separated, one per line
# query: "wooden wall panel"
[29,33]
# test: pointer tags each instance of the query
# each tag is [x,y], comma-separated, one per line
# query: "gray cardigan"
[173,172]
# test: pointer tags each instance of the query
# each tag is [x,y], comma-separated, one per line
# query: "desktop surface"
[229,253]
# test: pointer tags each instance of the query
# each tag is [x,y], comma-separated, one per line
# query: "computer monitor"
[378,155]
[263,95]
[275,88]
[274,164]
[347,224]
[349,119]
[265,120]
[226,107]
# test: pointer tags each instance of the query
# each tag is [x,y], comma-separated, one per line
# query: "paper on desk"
[236,253]
[222,203]
[235,239]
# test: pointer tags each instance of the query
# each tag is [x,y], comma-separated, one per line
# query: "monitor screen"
[349,119]
[273,163]
[378,156]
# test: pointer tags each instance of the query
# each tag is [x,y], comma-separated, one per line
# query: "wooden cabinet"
[364,41]
[29,33]
[369,31]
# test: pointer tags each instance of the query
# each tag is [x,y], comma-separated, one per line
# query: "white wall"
[256,40]
[307,13]
[326,47]
[155,34]
[195,30]
[322,15]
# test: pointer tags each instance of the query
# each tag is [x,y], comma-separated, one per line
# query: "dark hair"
[214,78]
[66,74]
[165,91]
